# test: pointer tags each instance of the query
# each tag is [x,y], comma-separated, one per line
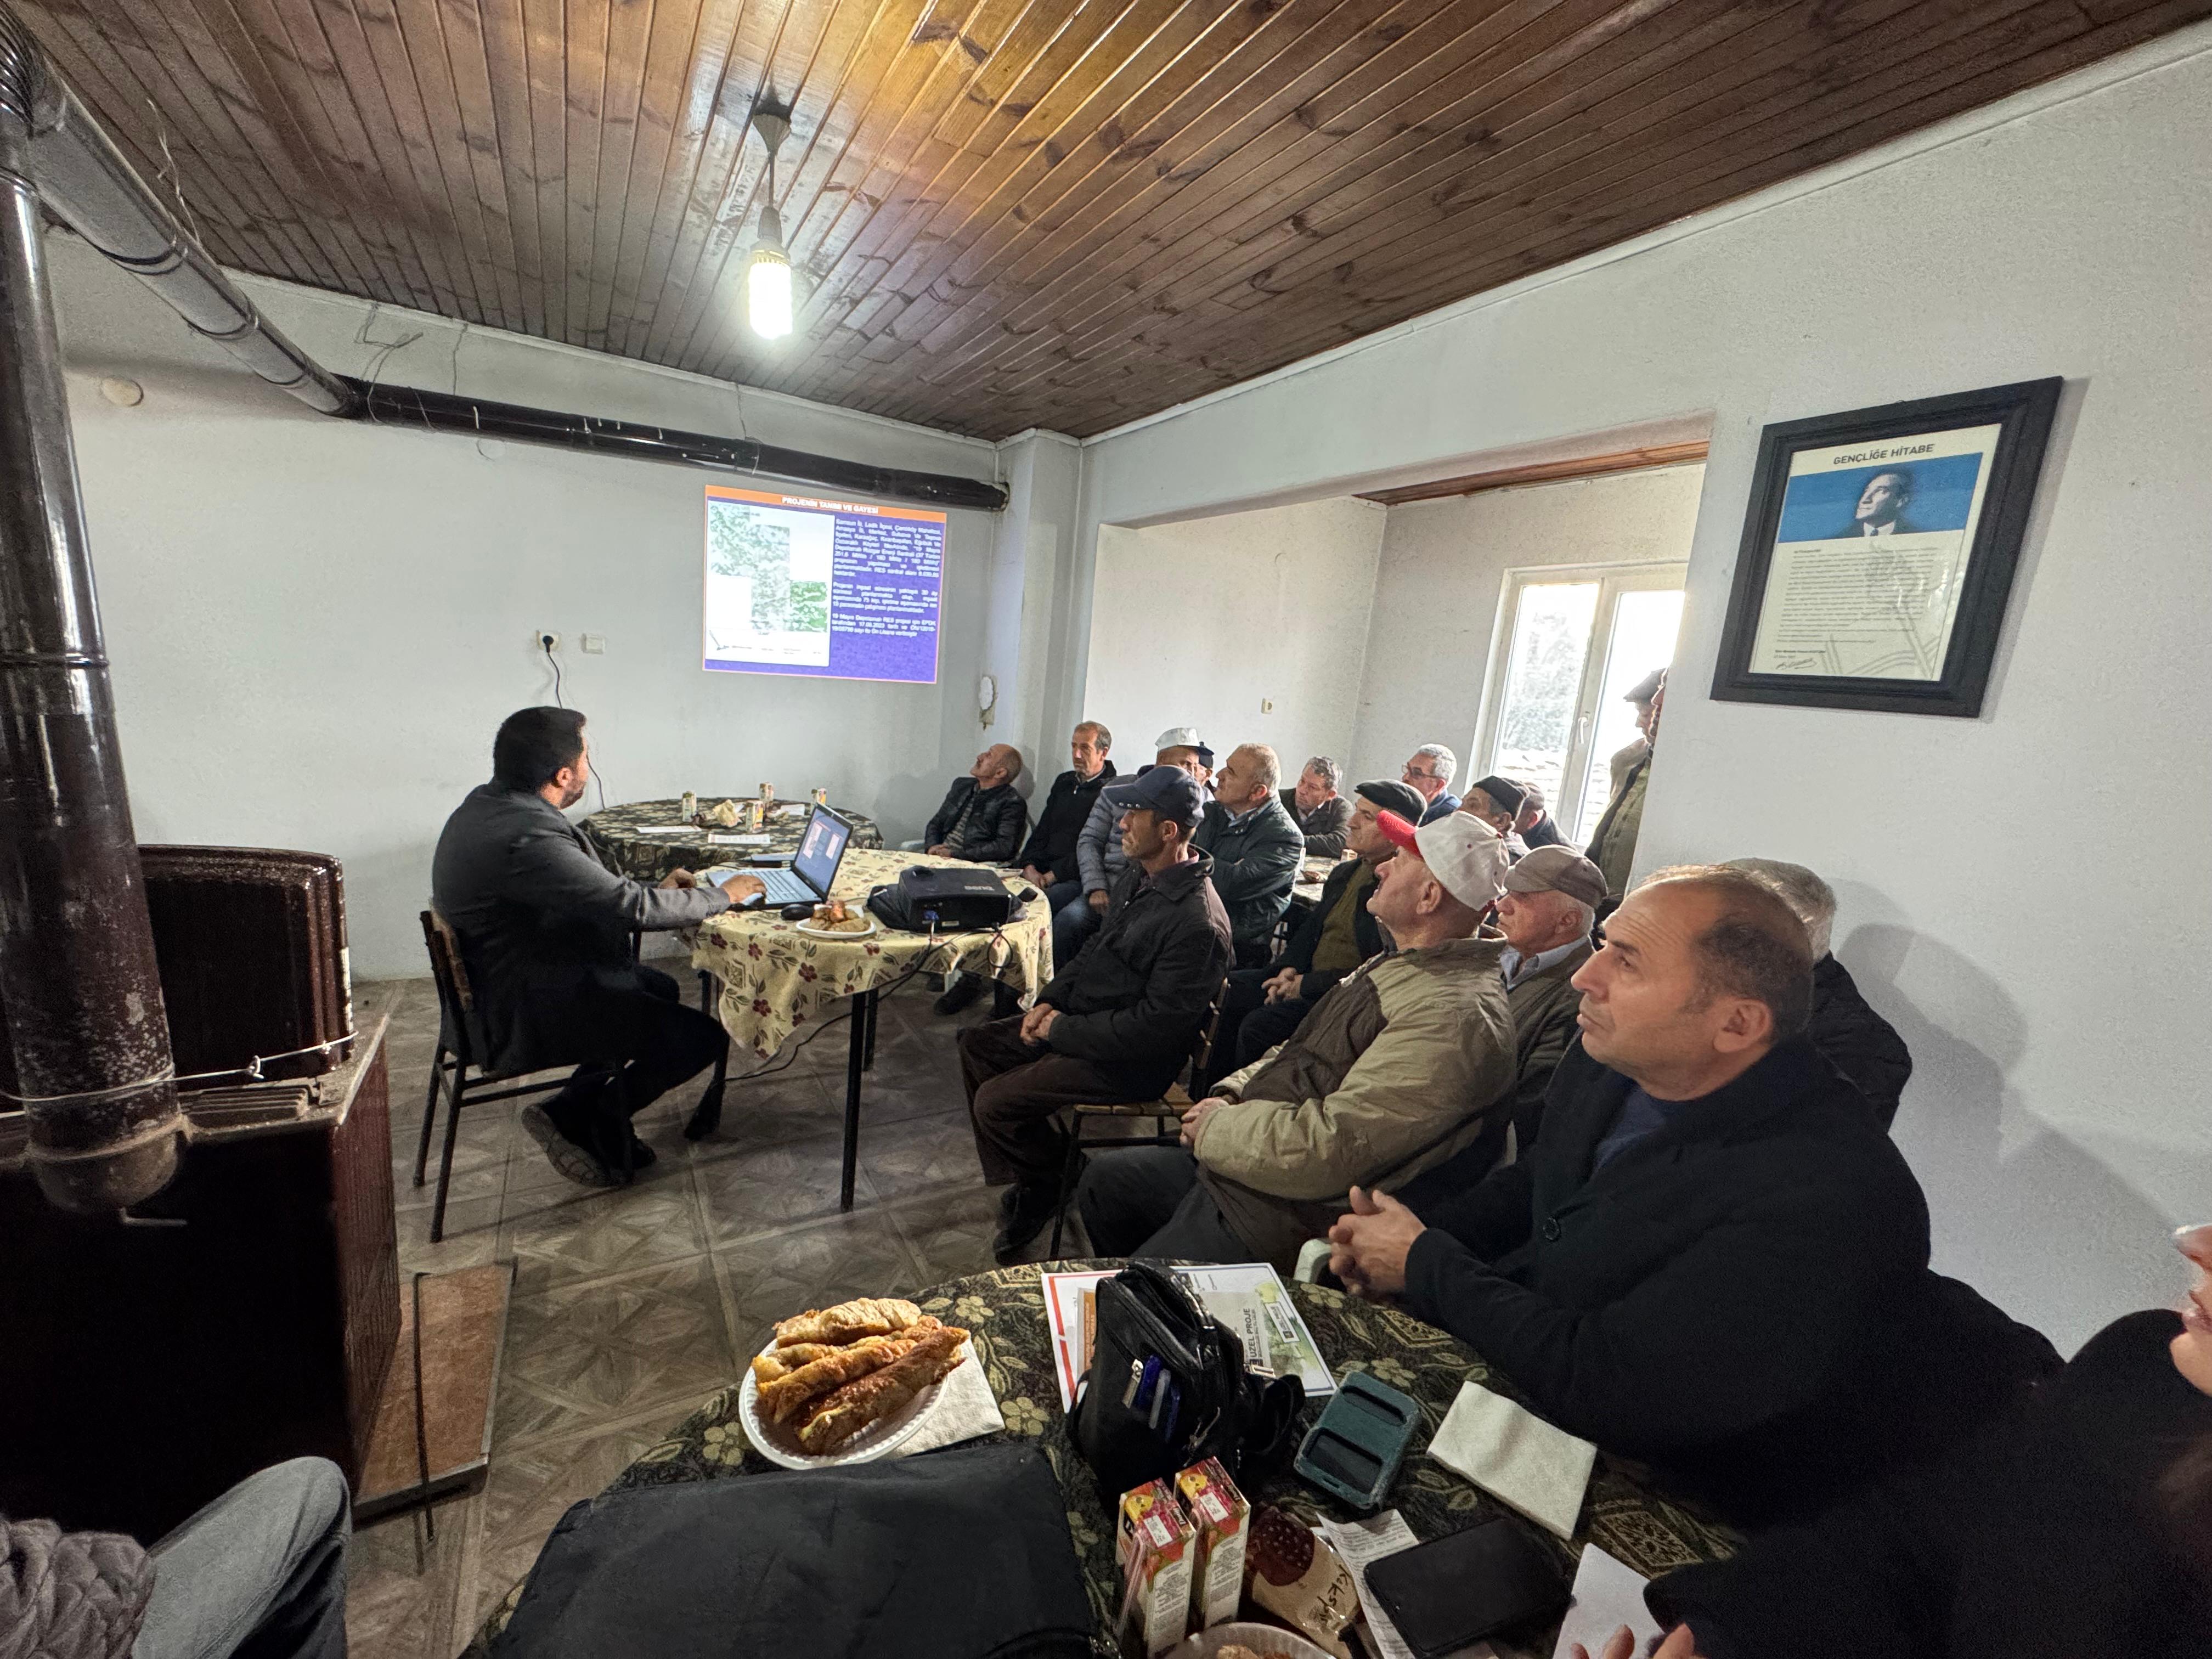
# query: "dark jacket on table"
[541,922]
[1367,933]
[1741,1299]
[1324,827]
[993,828]
[2054,1535]
[1544,1006]
[1255,863]
[1864,1048]
[1051,845]
[1138,992]
[1545,832]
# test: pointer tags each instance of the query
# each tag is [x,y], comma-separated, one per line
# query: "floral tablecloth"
[771,979]
[1004,1311]
[619,834]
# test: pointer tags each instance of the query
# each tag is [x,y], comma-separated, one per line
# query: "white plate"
[779,1441]
[812,932]
[1260,1639]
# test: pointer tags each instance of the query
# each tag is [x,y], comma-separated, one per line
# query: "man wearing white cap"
[1098,847]
[1407,1062]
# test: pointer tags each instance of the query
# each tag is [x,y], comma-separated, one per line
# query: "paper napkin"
[965,1409]
[1517,1458]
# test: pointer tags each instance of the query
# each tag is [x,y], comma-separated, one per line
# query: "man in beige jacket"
[1407,1061]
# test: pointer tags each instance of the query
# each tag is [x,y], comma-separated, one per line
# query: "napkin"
[965,1408]
[1516,1457]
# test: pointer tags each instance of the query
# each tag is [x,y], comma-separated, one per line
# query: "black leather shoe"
[964,990]
[1023,1212]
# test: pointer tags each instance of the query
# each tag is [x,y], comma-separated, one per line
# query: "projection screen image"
[795,585]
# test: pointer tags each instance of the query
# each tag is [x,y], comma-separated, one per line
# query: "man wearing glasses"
[1428,774]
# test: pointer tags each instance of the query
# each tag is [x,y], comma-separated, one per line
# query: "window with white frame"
[1573,642]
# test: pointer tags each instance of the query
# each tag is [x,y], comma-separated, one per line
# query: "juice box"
[1220,1518]
[1153,1540]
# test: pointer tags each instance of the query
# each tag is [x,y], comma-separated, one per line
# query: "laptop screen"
[821,849]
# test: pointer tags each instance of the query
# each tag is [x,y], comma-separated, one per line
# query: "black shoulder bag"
[1168,1387]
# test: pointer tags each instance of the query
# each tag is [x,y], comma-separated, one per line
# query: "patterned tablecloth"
[772,979]
[1005,1311]
[619,834]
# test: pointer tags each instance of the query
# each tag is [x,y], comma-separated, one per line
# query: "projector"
[928,897]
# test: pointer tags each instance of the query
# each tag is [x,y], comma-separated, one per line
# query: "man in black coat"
[1118,1023]
[982,816]
[1318,811]
[1049,857]
[546,933]
[1263,1006]
[1535,823]
[1712,1261]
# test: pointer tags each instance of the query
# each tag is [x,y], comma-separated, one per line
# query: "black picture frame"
[2024,413]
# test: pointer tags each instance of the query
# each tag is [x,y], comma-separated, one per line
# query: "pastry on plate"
[868,1316]
[831,1422]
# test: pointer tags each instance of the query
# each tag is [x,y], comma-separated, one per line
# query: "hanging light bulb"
[768,270]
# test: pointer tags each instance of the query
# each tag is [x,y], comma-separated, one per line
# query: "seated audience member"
[982,816]
[1115,1023]
[1262,1006]
[1407,1062]
[1712,1260]
[1535,823]
[1612,846]
[1255,848]
[261,1572]
[1316,807]
[546,931]
[1864,1047]
[1497,802]
[2080,1527]
[1098,857]
[1428,774]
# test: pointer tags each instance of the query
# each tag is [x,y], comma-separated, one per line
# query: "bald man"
[982,818]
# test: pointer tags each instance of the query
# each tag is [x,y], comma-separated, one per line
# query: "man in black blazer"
[1712,1261]
[546,932]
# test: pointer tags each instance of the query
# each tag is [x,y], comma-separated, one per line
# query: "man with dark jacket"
[547,934]
[981,817]
[1712,1261]
[1535,823]
[1255,848]
[1863,1048]
[1049,857]
[1262,1006]
[1316,807]
[1116,1023]
[1098,857]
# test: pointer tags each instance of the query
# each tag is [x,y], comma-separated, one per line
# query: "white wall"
[2026,895]
[1199,623]
[316,625]
[1443,572]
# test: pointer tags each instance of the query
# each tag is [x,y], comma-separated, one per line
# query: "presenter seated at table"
[983,817]
[1098,857]
[2079,1528]
[1262,1006]
[1712,1261]
[1316,807]
[1255,848]
[1407,1062]
[546,932]
[1117,1023]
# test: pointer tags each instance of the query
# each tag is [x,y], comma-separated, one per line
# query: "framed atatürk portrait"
[1878,552]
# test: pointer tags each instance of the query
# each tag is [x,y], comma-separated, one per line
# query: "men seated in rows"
[1262,1006]
[1497,802]
[1115,1024]
[1316,807]
[1612,844]
[1864,1048]
[982,816]
[1711,1260]
[1407,1062]
[1535,823]
[1428,774]
[1255,848]
[1098,857]
[546,933]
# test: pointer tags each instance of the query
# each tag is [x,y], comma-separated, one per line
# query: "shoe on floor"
[1005,1001]
[578,1164]
[1023,1212]
[963,991]
[641,1157]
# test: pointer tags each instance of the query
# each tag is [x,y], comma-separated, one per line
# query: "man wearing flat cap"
[1497,802]
[1407,1063]
[1098,857]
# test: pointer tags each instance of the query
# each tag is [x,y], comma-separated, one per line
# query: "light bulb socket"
[771,232]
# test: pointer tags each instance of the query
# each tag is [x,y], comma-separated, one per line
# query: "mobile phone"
[1457,1590]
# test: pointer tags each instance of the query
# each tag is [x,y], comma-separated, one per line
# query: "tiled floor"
[631,1306]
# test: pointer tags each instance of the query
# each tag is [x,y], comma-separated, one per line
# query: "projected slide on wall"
[796,585]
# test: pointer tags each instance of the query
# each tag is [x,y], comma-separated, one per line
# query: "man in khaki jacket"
[1407,1061]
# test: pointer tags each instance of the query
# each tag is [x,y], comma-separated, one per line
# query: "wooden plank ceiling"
[1007,213]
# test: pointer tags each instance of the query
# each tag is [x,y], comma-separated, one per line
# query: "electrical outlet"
[595,645]
[546,639]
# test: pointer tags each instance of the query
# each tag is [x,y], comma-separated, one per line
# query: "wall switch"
[545,640]
[1267,705]
[595,645]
